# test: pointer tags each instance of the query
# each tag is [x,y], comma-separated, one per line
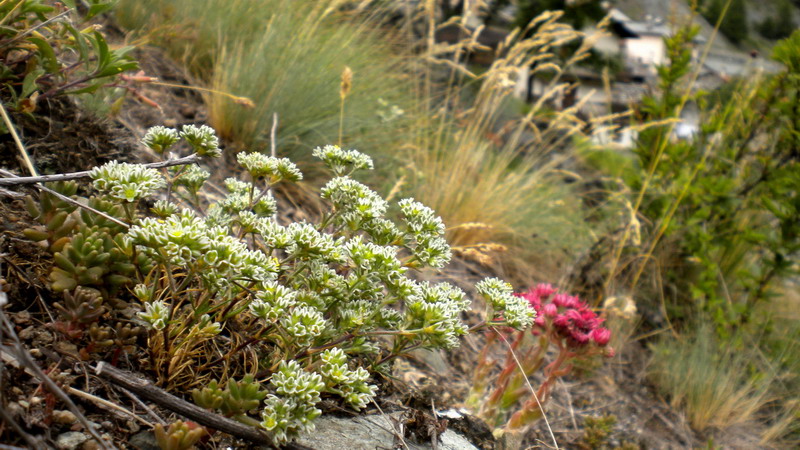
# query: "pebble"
[71,440]
[27,333]
[90,445]
[14,409]
[63,416]
[21,317]
[133,427]
[145,440]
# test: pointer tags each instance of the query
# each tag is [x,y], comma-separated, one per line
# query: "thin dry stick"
[150,392]
[103,403]
[399,435]
[144,406]
[569,400]
[533,391]
[30,30]
[272,144]
[20,147]
[70,201]
[24,358]
[14,180]
[244,101]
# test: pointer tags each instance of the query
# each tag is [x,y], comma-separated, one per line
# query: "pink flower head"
[578,339]
[543,290]
[566,301]
[550,310]
[577,326]
[601,336]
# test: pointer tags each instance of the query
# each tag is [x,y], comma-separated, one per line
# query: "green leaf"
[80,42]
[99,8]
[47,54]
[29,83]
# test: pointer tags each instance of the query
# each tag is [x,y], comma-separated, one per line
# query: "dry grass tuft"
[475,166]
[712,386]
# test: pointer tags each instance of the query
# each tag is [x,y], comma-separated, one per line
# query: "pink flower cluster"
[567,316]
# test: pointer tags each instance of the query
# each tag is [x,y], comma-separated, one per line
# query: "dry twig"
[15,136]
[14,180]
[149,392]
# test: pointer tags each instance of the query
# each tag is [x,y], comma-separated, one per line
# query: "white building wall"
[648,50]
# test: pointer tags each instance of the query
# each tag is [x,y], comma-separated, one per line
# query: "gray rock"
[145,440]
[71,440]
[368,433]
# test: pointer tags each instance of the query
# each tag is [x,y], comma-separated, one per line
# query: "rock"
[90,445]
[132,426]
[145,440]
[71,440]
[370,432]
[14,409]
[27,333]
[64,417]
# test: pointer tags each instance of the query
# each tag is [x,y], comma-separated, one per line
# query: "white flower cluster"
[163,208]
[304,324]
[343,162]
[192,177]
[126,182]
[156,314]
[293,410]
[244,196]
[203,140]
[354,203]
[274,169]
[273,301]
[427,229]
[436,309]
[349,384]
[160,139]
[185,240]
[305,242]
[500,295]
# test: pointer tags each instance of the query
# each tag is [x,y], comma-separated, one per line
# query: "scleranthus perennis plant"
[563,323]
[283,314]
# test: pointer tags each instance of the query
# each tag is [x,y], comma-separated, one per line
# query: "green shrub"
[45,52]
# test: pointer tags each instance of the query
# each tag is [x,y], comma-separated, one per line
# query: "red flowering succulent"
[566,318]
[562,320]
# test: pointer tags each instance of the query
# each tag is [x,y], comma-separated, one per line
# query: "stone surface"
[145,440]
[63,416]
[71,440]
[368,433]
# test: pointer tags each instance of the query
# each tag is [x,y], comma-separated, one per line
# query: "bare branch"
[15,180]
[162,398]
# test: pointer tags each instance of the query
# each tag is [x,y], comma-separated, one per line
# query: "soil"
[61,137]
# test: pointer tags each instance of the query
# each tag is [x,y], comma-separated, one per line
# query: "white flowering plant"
[230,290]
